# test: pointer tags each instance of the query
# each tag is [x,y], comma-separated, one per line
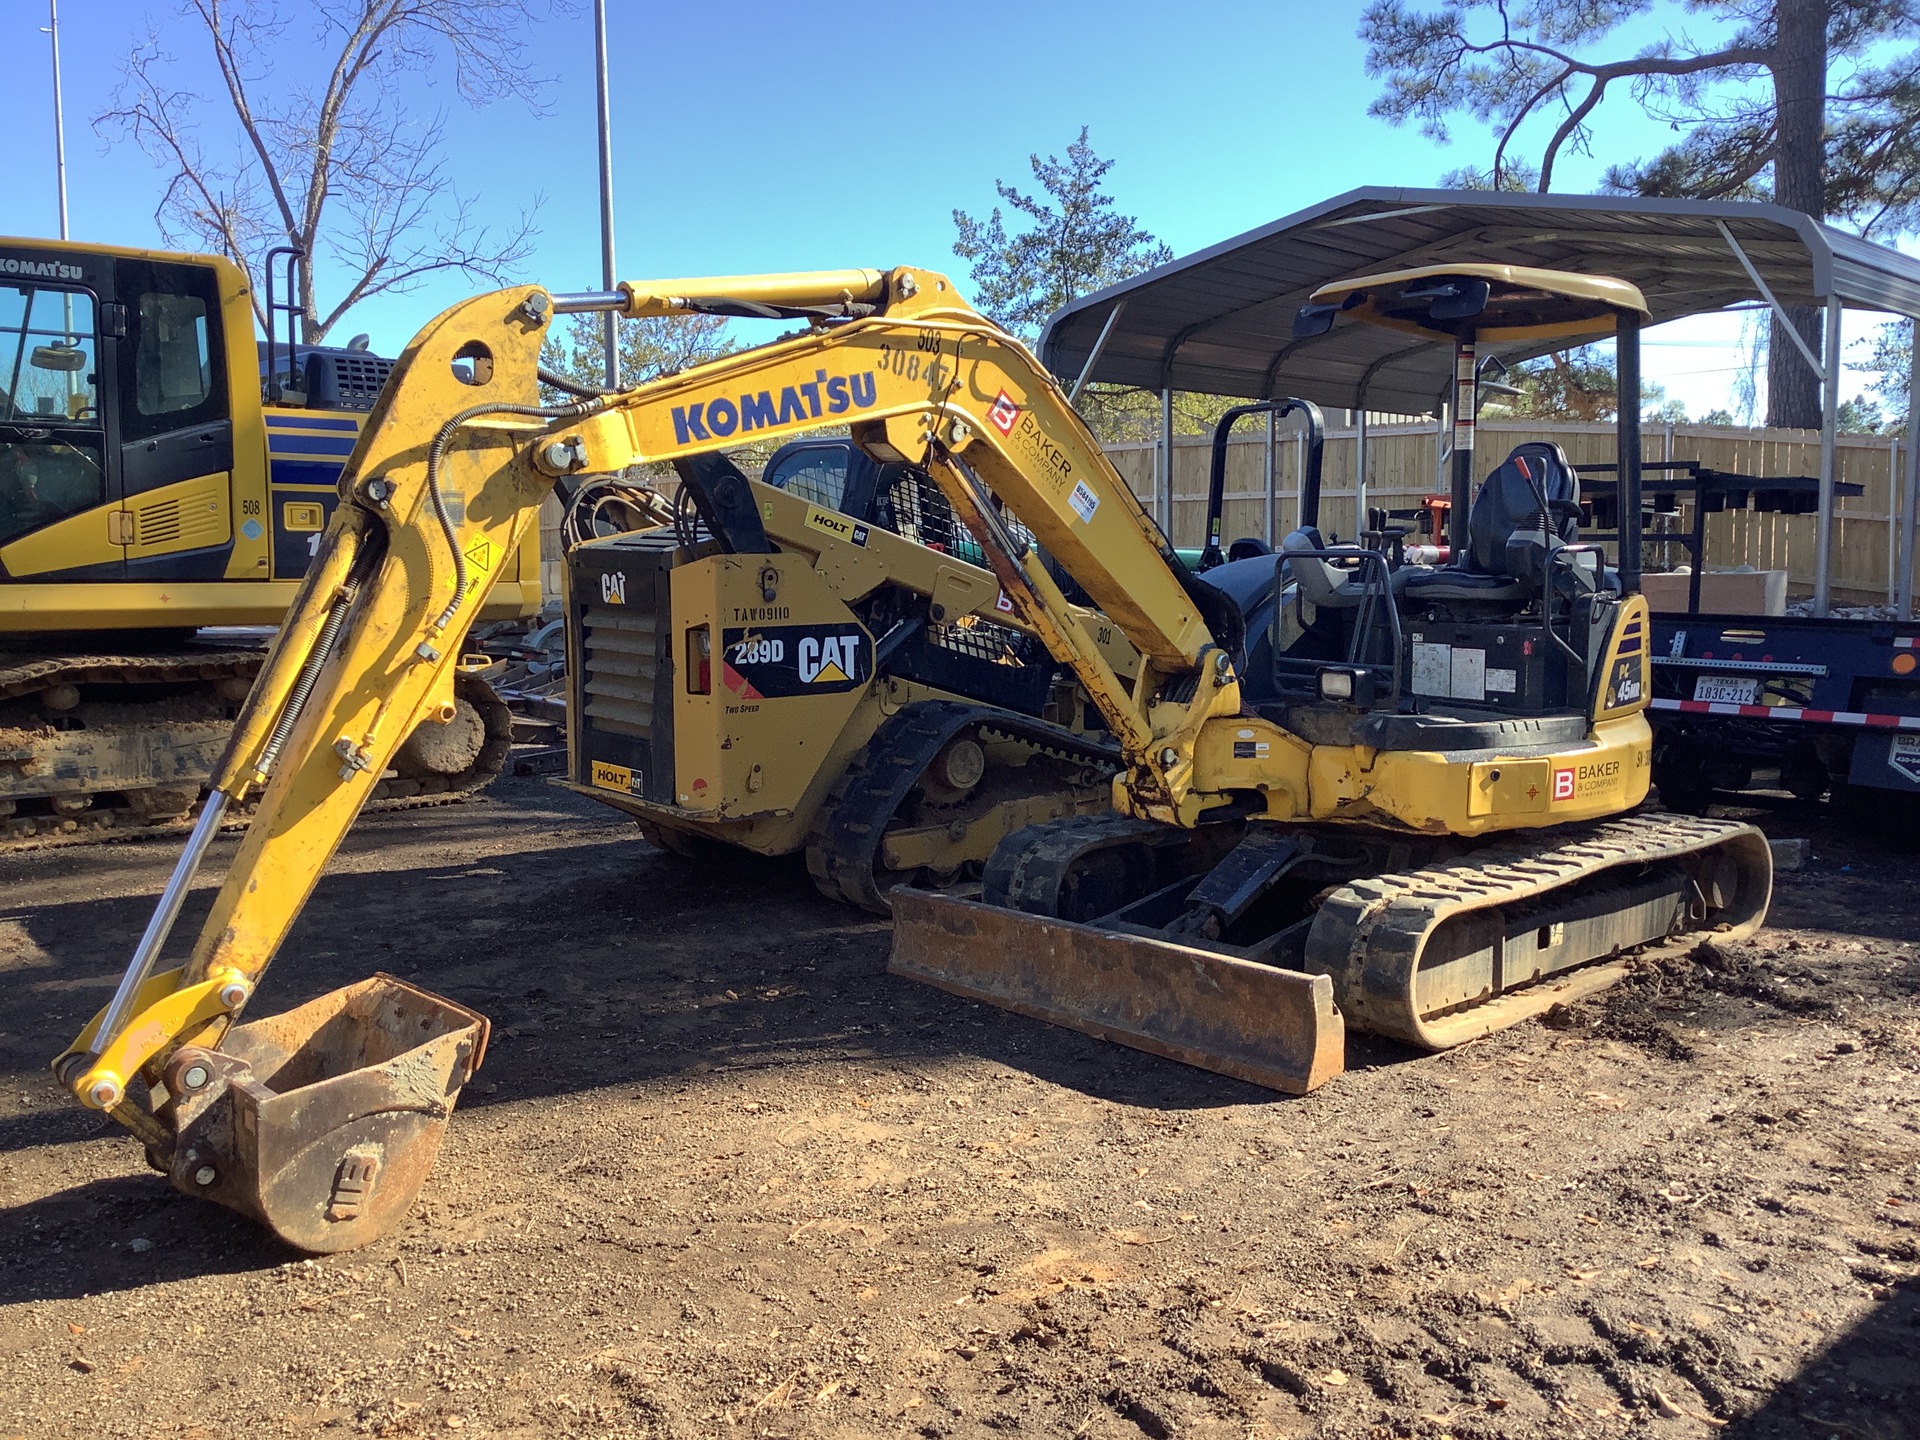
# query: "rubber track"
[1027,876]
[845,843]
[1369,934]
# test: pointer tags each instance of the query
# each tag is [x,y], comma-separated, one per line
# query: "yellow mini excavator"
[1391,796]
[164,480]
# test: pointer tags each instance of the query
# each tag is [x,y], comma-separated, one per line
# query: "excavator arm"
[323,1122]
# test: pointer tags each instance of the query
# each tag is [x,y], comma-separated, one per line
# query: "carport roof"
[1221,321]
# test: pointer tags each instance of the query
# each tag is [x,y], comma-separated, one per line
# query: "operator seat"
[1322,583]
[1512,536]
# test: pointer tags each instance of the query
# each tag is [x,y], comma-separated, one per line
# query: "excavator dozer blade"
[323,1123]
[1273,1027]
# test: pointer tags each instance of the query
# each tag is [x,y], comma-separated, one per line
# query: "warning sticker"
[480,553]
[1083,501]
[1004,414]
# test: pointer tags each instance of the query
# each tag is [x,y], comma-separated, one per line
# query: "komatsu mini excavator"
[1319,815]
[162,482]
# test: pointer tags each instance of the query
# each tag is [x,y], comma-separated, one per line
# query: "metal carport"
[1220,321]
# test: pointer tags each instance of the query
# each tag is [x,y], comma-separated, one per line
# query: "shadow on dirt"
[1873,1370]
[134,1230]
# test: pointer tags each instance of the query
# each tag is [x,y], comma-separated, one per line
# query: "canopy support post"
[1909,492]
[1360,462]
[1273,504]
[1166,462]
[1626,342]
[1829,418]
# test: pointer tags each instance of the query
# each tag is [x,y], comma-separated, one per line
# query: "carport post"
[1829,421]
[1360,463]
[1910,491]
[1272,504]
[1626,354]
[1166,463]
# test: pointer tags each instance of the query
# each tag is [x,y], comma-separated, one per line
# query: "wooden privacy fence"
[1404,463]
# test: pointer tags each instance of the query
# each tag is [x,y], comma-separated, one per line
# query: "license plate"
[1726,689]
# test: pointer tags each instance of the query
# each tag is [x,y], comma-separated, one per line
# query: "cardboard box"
[1722,592]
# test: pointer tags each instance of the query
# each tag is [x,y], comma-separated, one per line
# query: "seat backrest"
[1510,501]
[1321,581]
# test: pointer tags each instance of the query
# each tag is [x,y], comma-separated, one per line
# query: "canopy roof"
[1221,321]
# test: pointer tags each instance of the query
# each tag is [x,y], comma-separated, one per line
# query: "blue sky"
[781,137]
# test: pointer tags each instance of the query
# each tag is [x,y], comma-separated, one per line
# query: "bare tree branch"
[333,164]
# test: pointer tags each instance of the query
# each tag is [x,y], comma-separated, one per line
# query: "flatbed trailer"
[1828,706]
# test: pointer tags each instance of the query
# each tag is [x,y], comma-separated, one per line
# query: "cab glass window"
[173,365]
[47,368]
[42,481]
[816,475]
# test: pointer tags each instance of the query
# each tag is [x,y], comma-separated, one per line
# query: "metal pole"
[1627,454]
[1272,503]
[1300,474]
[1093,355]
[1910,491]
[1466,387]
[610,322]
[59,124]
[1829,417]
[1893,517]
[1360,463]
[1166,463]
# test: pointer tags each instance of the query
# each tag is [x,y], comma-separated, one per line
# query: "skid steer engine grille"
[620,663]
[623,694]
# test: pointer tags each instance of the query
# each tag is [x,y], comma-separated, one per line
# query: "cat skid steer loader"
[1445,855]
[894,730]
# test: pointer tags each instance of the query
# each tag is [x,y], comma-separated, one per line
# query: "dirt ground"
[723,1176]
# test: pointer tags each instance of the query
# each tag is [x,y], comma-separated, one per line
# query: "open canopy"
[1220,321]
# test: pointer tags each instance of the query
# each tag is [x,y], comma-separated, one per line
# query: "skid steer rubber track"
[1440,955]
[1061,774]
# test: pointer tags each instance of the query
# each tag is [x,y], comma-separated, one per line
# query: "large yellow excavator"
[1320,819]
[164,481]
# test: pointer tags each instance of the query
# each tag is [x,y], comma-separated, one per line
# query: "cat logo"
[829,659]
[613,587]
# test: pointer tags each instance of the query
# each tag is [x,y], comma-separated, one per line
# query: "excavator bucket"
[323,1123]
[1273,1027]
